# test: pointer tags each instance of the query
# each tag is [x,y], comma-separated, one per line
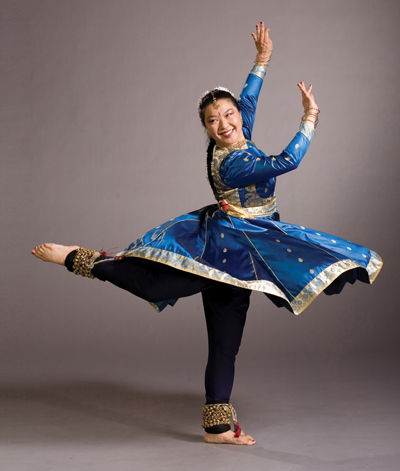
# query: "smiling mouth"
[227,133]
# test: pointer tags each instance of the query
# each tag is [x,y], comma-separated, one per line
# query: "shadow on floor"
[319,428]
[85,411]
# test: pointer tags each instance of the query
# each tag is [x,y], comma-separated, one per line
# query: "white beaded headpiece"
[213,90]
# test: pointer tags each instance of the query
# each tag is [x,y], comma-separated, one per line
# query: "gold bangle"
[311,113]
[264,63]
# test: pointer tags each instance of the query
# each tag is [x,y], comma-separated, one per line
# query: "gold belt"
[249,213]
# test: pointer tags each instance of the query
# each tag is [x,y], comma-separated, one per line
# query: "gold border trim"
[153,306]
[307,129]
[299,303]
[319,283]
[259,70]
[374,266]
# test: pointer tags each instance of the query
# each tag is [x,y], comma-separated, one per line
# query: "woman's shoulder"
[250,151]
[225,156]
[251,147]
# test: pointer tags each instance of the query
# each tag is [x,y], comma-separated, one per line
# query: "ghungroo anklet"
[84,262]
[216,414]
[220,414]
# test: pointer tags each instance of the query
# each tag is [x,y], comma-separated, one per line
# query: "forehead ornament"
[211,91]
[215,103]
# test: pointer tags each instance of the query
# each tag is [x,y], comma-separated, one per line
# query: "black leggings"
[225,309]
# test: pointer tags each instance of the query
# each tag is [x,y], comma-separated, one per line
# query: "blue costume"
[227,249]
[241,241]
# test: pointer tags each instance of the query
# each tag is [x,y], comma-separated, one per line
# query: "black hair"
[204,102]
[210,151]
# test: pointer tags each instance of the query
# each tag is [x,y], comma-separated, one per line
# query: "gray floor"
[323,415]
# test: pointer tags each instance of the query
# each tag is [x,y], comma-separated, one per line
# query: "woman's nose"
[223,122]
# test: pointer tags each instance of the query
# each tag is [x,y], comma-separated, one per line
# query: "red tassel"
[238,430]
[110,252]
[225,206]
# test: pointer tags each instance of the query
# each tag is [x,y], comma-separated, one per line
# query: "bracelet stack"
[263,63]
[260,67]
[311,113]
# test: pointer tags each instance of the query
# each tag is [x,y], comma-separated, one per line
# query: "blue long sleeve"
[248,166]
[249,98]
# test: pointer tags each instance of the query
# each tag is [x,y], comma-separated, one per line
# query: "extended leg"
[149,280]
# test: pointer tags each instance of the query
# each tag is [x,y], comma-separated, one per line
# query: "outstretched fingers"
[261,38]
[301,86]
[256,35]
[307,96]
[305,91]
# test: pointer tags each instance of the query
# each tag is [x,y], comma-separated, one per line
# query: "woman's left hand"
[307,96]
[310,107]
[263,43]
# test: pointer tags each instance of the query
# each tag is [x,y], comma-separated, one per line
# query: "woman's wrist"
[260,64]
[262,58]
[311,116]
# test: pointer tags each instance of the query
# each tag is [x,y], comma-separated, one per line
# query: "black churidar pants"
[225,309]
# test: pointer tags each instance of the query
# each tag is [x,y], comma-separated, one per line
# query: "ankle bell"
[220,414]
[84,262]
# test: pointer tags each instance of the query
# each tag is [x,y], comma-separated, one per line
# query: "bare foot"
[53,252]
[229,437]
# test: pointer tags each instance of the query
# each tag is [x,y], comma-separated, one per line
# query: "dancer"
[228,249]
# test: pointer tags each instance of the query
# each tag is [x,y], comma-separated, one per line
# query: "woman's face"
[223,124]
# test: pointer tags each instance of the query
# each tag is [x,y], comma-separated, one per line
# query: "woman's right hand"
[263,43]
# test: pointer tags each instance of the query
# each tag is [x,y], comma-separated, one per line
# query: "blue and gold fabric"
[241,241]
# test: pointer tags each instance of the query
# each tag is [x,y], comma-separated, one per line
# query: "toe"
[246,440]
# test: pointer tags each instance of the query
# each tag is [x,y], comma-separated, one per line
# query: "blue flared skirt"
[291,264]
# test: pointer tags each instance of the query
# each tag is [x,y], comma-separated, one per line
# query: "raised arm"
[249,96]
[243,168]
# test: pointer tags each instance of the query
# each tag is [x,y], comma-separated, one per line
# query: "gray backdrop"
[101,142]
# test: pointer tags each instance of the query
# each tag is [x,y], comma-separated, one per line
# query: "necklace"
[237,145]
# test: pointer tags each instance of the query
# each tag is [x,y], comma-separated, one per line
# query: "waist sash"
[266,209]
